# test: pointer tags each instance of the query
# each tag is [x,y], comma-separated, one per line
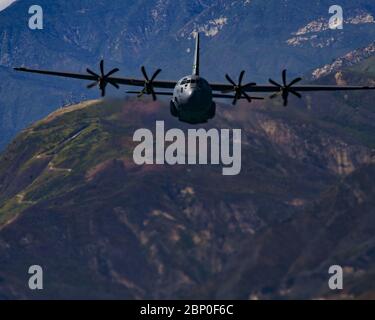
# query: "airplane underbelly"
[196,101]
[194,106]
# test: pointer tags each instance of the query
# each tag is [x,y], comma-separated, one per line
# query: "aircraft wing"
[59,74]
[141,82]
[300,88]
[229,96]
[121,81]
[277,89]
[161,93]
[162,84]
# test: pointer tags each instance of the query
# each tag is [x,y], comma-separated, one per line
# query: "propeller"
[285,89]
[238,88]
[149,83]
[103,79]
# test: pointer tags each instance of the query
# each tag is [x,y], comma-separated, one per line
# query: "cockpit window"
[184,81]
[187,81]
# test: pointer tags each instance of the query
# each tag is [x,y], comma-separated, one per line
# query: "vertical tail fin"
[196,56]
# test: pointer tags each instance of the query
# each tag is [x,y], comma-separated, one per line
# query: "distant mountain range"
[260,36]
[72,200]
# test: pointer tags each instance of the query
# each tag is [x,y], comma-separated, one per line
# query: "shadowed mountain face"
[292,259]
[262,37]
[72,201]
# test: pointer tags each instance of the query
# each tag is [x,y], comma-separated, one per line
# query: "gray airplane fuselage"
[192,100]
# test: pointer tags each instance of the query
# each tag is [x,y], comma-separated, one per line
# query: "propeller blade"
[295,93]
[275,83]
[149,89]
[92,73]
[241,78]
[251,84]
[102,67]
[153,95]
[238,89]
[295,81]
[92,85]
[114,84]
[248,98]
[285,89]
[143,69]
[284,77]
[140,94]
[112,72]
[155,74]
[230,80]
[103,91]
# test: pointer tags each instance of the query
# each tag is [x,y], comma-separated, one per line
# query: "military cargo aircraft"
[192,96]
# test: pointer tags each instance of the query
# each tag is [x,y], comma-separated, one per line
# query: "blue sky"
[5,3]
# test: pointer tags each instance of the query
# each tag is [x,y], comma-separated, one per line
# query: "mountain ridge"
[350,59]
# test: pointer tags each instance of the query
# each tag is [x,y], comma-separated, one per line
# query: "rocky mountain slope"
[291,260]
[72,201]
[261,37]
[350,59]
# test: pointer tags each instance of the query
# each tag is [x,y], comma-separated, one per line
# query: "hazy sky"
[5,3]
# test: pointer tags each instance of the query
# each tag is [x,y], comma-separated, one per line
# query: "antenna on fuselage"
[196,55]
